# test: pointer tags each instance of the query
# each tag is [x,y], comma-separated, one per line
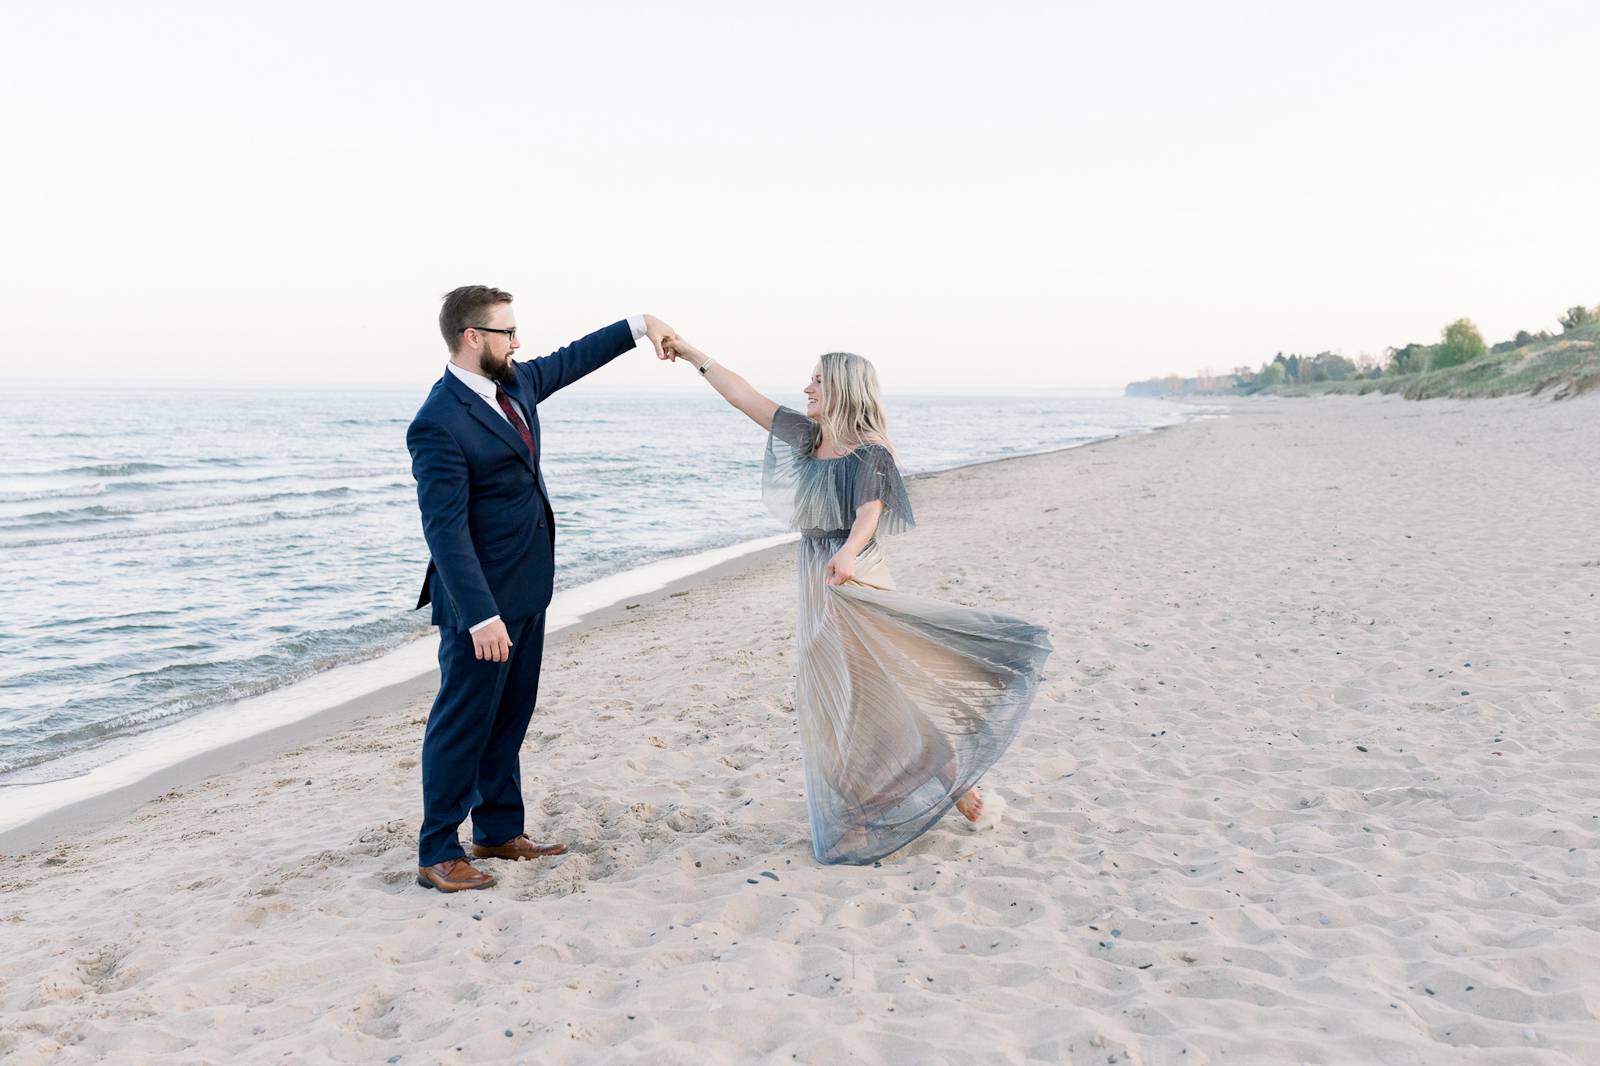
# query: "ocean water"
[167,550]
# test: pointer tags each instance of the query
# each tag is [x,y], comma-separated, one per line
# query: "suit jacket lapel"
[491,421]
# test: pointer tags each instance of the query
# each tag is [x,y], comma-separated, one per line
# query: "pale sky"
[1004,195]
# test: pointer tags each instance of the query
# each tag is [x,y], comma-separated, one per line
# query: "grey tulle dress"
[903,702]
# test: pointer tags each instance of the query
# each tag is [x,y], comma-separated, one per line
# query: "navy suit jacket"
[487,519]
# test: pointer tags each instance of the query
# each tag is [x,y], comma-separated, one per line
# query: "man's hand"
[492,642]
[658,332]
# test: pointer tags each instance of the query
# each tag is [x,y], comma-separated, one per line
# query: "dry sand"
[1314,777]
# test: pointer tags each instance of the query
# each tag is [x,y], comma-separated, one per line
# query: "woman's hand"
[678,348]
[842,567]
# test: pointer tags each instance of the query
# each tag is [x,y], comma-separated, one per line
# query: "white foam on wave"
[126,761]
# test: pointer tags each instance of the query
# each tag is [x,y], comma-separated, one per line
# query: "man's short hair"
[465,307]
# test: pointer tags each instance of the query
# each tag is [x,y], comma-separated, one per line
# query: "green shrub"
[1462,343]
[1575,317]
[1271,374]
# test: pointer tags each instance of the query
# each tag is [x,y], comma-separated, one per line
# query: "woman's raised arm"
[735,389]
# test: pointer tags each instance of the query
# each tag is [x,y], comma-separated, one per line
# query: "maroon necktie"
[521,427]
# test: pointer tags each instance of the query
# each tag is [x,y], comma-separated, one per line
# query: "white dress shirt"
[486,388]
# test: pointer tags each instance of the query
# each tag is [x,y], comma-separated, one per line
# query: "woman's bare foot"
[971,805]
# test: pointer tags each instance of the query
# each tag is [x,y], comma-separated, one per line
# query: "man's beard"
[500,371]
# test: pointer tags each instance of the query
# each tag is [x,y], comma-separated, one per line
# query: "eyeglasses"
[512,332]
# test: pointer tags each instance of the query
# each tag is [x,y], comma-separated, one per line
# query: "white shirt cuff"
[483,623]
[636,323]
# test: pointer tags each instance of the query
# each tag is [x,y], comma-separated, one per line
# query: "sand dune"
[1314,777]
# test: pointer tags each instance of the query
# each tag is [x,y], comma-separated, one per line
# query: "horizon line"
[406,386]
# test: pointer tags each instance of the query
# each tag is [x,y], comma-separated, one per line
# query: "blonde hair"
[852,410]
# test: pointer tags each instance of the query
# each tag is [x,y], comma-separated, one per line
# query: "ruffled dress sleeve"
[876,476]
[784,466]
[792,432]
[820,496]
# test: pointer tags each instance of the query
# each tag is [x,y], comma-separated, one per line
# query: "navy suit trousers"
[471,760]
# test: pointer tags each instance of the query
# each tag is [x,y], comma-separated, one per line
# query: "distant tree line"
[1459,342]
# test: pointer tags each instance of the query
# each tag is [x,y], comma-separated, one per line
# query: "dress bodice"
[821,495]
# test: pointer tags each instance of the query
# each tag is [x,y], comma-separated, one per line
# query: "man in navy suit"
[491,535]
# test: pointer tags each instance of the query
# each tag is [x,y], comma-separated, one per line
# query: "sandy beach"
[1314,777]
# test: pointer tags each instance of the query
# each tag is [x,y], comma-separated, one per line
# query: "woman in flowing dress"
[903,702]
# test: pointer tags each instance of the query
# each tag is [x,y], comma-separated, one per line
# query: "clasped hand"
[660,334]
[670,346]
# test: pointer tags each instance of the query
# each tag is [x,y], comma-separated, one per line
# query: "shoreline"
[95,811]
[86,813]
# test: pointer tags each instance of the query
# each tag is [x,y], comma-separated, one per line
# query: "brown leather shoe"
[518,848]
[453,875]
